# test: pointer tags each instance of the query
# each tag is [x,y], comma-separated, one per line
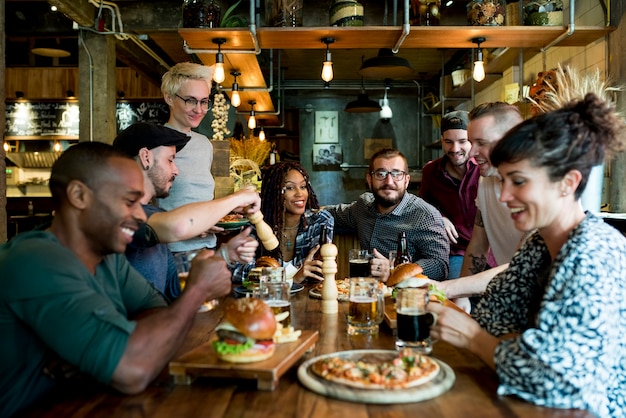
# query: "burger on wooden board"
[246,333]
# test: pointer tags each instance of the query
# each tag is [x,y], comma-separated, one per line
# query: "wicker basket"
[512,15]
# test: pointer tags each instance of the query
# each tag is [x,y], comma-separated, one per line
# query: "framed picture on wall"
[327,157]
[327,127]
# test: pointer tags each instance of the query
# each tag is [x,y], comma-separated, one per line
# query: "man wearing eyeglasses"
[378,216]
[186,89]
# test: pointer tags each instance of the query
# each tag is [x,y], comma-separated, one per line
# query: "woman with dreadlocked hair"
[290,206]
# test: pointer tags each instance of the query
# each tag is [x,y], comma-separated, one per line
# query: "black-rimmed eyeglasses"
[396,175]
[192,102]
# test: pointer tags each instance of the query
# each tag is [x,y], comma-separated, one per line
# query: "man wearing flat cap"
[450,184]
[154,149]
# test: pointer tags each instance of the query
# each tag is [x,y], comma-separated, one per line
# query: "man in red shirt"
[450,183]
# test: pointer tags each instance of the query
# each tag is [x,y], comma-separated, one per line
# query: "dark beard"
[387,203]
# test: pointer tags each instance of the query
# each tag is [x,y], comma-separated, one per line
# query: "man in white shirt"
[493,228]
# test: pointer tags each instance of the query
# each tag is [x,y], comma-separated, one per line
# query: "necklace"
[289,236]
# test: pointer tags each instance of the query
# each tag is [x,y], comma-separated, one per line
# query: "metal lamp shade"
[362,104]
[386,65]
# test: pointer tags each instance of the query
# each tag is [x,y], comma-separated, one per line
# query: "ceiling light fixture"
[385,111]
[235,99]
[479,64]
[252,119]
[362,104]
[327,69]
[386,65]
[261,134]
[218,73]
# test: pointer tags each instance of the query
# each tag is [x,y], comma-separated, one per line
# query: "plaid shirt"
[426,235]
[308,237]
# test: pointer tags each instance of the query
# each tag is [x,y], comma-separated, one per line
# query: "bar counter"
[472,395]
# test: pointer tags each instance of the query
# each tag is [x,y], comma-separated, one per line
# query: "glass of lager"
[365,306]
[276,296]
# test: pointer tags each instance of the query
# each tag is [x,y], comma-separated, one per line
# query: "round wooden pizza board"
[441,383]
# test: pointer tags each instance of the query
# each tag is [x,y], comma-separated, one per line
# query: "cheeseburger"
[245,334]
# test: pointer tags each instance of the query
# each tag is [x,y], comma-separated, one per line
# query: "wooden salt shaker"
[329,270]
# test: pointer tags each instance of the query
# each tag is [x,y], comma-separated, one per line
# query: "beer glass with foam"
[365,306]
[413,321]
[359,263]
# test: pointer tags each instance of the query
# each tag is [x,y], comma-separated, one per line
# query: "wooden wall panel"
[53,83]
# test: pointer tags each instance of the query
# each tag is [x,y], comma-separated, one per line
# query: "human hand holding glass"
[183,262]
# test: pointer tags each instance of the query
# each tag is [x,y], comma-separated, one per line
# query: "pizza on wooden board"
[406,370]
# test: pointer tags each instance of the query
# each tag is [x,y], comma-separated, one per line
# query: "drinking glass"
[276,296]
[359,262]
[365,306]
[183,264]
[413,321]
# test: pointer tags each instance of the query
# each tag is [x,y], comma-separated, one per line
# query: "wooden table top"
[472,395]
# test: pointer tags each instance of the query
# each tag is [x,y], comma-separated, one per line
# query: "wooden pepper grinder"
[329,270]
[264,231]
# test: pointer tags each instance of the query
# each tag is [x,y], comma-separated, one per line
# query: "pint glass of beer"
[365,306]
[413,321]
[359,262]
[276,296]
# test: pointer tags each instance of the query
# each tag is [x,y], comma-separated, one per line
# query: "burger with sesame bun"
[246,332]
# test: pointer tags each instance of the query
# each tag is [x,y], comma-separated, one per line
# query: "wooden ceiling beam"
[128,51]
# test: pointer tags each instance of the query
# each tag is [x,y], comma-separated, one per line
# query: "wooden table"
[473,393]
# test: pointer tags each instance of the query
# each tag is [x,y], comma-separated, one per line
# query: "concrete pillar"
[96,81]
[617,70]
[3,95]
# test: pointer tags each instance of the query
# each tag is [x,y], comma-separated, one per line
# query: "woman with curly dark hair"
[552,323]
[289,205]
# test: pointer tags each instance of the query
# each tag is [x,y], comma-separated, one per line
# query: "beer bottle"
[403,255]
[323,240]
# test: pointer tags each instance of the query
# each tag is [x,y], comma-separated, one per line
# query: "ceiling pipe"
[406,28]
[281,96]
[571,28]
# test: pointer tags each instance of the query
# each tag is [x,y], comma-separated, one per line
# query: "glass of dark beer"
[413,321]
[359,263]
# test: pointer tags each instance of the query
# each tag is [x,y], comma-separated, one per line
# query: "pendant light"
[386,65]
[362,104]
[235,99]
[385,112]
[252,119]
[261,134]
[479,64]
[218,73]
[327,69]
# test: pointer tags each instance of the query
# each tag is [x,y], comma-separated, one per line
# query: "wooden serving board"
[440,383]
[203,361]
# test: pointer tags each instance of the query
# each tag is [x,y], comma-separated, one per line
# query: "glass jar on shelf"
[486,12]
[424,12]
[202,13]
[283,13]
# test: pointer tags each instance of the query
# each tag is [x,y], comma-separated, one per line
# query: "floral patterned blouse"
[571,317]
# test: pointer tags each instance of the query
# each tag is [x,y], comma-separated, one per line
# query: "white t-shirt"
[501,232]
